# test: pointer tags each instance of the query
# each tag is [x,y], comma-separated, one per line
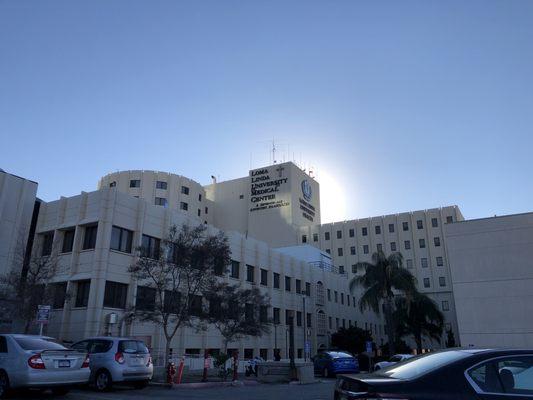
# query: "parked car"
[466,374]
[29,361]
[395,359]
[329,363]
[117,360]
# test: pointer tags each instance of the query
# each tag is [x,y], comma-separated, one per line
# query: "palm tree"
[419,316]
[382,277]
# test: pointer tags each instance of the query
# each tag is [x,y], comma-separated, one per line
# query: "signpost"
[369,352]
[43,316]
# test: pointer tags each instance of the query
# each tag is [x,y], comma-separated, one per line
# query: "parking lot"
[316,391]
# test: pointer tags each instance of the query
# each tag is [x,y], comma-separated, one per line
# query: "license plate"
[63,363]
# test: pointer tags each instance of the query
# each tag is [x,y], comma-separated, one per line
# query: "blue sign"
[369,347]
[306,190]
[307,347]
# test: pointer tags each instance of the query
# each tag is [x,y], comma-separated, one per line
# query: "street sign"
[43,314]
[369,347]
[307,347]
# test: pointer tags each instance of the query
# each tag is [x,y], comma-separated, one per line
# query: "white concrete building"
[96,275]
[491,263]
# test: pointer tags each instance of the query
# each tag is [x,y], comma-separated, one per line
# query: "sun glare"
[332,198]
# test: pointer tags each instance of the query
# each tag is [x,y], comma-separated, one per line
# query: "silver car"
[28,361]
[117,360]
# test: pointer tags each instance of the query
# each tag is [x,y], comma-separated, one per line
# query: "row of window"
[377,229]
[379,247]
[335,298]
[136,183]
[89,240]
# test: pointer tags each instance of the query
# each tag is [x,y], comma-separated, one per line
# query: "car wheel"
[4,385]
[140,385]
[103,381]
[60,391]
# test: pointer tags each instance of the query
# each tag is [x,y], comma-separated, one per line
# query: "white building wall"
[492,272]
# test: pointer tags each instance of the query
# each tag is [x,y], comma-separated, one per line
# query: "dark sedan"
[329,363]
[458,374]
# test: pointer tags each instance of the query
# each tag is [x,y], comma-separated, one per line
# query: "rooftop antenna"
[273,151]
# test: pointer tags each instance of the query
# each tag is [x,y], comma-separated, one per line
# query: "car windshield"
[132,346]
[417,366]
[29,343]
[339,354]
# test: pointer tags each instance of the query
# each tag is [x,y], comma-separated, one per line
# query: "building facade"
[94,282]
[491,263]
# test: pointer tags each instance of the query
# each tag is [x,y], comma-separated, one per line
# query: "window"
[160,201]
[115,294]
[276,312]
[440,262]
[339,234]
[263,353]
[328,251]
[264,277]
[309,324]
[424,262]
[341,269]
[348,300]
[206,210]
[326,235]
[343,323]
[407,244]
[249,313]
[442,281]
[391,228]
[145,300]
[172,301]
[315,237]
[121,239]
[379,247]
[330,323]
[340,252]
[298,318]
[200,197]
[422,243]
[288,283]
[307,288]
[365,249]
[392,246]
[426,282]
[378,229]
[89,239]
[249,273]
[409,263]
[419,224]
[342,298]
[434,222]
[298,286]
[352,250]
[263,313]
[68,240]
[337,323]
[82,293]
[449,219]
[199,212]
[445,306]
[161,185]
[48,239]
[510,376]
[354,268]
[304,238]
[405,226]
[354,304]
[276,280]
[336,296]
[184,190]
[195,305]
[248,354]
[364,231]
[135,183]
[351,232]
[113,184]
[184,206]
[329,294]
[150,247]
[235,267]
[436,241]
[59,294]
[288,316]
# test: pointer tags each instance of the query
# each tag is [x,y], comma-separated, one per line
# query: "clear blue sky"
[398,105]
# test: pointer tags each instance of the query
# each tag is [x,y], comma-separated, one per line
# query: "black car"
[458,374]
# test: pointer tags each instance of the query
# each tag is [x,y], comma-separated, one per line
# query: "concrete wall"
[491,263]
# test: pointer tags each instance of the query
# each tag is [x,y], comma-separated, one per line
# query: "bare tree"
[237,313]
[27,285]
[174,273]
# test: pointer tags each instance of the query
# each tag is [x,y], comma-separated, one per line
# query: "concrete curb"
[206,385]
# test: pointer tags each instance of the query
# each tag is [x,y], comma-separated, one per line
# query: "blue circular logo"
[306,190]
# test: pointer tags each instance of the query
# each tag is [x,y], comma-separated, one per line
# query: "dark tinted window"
[132,346]
[81,346]
[3,344]
[82,293]
[30,343]
[115,294]
[48,239]
[68,241]
[89,239]
[59,293]
[100,346]
[145,298]
[121,239]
